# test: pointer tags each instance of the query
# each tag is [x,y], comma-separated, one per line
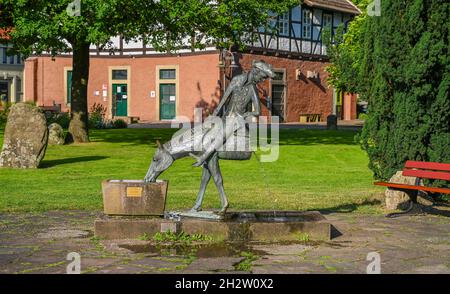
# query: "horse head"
[161,161]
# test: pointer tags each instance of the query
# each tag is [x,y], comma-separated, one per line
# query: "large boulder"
[25,139]
[55,134]
[397,199]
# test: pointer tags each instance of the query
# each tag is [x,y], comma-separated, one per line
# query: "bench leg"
[414,208]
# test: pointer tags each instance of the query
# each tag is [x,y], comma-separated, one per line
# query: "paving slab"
[39,243]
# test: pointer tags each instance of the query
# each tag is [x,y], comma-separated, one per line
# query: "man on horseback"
[230,118]
[233,108]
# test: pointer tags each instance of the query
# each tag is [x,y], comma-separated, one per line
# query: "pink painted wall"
[198,81]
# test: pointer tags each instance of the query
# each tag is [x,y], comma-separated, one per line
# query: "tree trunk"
[78,127]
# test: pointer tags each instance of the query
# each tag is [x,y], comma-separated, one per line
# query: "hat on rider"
[264,67]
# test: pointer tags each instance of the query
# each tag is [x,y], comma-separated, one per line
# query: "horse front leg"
[206,176]
[214,169]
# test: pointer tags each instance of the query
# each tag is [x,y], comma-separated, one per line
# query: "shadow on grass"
[55,162]
[350,207]
[287,137]
[133,136]
[317,137]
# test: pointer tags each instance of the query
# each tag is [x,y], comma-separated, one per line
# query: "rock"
[25,139]
[397,199]
[55,134]
[332,122]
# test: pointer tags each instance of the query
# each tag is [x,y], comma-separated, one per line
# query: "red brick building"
[132,80]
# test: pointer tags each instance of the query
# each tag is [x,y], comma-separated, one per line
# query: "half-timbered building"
[134,81]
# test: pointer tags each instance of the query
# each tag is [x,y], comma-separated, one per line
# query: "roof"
[338,5]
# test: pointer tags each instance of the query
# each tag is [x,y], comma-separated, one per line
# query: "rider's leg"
[206,176]
[220,134]
[214,168]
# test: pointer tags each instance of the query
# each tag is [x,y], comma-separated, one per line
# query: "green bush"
[4,111]
[363,116]
[405,78]
[119,124]
[97,115]
[61,118]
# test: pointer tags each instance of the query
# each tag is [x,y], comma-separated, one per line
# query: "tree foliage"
[401,65]
[46,26]
[344,50]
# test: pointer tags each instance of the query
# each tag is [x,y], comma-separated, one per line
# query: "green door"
[120,98]
[167,100]
[69,86]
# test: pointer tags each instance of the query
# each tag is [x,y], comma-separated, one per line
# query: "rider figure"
[238,96]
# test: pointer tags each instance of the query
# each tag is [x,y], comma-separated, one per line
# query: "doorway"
[120,99]
[167,101]
[278,94]
[4,91]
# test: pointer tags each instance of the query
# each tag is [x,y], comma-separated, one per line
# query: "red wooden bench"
[421,170]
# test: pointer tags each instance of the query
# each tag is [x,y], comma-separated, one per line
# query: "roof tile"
[339,5]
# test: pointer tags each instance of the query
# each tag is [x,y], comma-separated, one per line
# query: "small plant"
[442,198]
[119,124]
[246,264]
[144,237]
[363,116]
[97,114]
[181,237]
[61,118]
[4,111]
[303,237]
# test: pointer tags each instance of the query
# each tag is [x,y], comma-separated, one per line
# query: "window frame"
[161,70]
[307,14]
[283,26]
[121,78]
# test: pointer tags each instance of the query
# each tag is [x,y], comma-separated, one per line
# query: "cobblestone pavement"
[40,243]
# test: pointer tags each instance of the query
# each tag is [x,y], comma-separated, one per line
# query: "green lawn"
[322,170]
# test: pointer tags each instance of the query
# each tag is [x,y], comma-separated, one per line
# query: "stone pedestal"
[134,198]
[237,226]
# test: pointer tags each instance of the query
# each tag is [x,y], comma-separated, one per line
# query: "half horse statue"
[225,125]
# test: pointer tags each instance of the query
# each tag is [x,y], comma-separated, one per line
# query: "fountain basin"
[237,226]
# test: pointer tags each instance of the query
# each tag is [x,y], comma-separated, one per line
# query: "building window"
[279,76]
[307,23]
[4,55]
[327,20]
[278,94]
[11,59]
[19,59]
[167,74]
[119,74]
[283,24]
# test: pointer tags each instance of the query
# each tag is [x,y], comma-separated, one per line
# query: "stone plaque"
[134,191]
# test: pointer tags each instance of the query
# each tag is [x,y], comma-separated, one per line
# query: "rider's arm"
[225,97]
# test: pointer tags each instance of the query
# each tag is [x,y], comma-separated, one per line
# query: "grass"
[182,237]
[303,237]
[316,170]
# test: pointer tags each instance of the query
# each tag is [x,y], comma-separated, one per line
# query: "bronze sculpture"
[225,123]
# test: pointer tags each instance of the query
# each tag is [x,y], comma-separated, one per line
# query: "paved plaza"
[40,243]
